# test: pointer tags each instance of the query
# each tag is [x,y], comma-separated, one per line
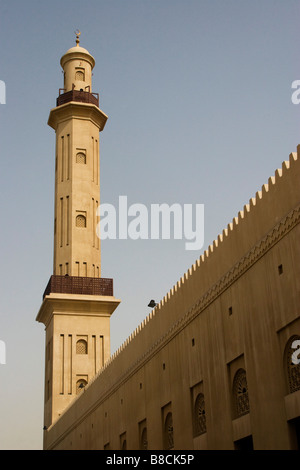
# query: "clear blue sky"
[198,95]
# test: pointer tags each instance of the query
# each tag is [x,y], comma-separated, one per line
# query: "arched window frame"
[81,346]
[81,221]
[199,415]
[240,394]
[80,74]
[81,158]
[144,439]
[168,432]
[80,384]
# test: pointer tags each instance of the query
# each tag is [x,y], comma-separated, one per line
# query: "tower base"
[78,332]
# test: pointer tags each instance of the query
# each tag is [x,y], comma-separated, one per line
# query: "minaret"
[77,121]
[77,303]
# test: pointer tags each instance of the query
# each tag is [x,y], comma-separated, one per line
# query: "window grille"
[240,394]
[81,347]
[199,415]
[81,158]
[79,75]
[81,221]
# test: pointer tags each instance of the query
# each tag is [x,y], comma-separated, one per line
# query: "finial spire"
[78,33]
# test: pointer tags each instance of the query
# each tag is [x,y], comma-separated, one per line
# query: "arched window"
[199,415]
[168,432]
[144,439]
[81,346]
[79,74]
[240,394]
[292,364]
[80,221]
[81,158]
[80,384]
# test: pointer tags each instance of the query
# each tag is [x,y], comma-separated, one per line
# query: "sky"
[198,98]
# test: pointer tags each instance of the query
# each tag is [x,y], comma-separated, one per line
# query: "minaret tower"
[77,121]
[77,303]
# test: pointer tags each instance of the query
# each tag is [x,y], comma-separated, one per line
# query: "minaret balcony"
[80,96]
[79,285]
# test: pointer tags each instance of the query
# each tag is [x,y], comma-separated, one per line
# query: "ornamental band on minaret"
[77,302]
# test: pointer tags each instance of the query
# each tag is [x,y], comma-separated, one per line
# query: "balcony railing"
[78,95]
[79,285]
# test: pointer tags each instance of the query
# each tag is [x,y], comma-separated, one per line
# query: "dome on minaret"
[77,52]
[78,49]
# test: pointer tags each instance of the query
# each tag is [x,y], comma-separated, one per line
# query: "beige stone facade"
[212,366]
